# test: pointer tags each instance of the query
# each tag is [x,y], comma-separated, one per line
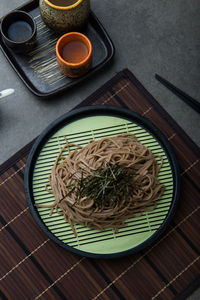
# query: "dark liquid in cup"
[75,52]
[63,3]
[19,31]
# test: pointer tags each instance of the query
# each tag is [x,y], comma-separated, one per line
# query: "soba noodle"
[135,160]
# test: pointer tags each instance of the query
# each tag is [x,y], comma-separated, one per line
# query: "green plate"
[79,127]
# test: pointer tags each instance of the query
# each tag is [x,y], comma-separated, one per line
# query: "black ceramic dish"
[39,70]
[80,126]
[19,30]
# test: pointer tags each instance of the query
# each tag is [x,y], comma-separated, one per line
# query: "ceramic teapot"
[64,15]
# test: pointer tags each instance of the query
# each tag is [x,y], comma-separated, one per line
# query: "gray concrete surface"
[150,36]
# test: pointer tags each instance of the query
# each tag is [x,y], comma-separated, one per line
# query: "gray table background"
[150,36]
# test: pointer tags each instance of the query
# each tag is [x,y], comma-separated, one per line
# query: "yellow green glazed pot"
[65,18]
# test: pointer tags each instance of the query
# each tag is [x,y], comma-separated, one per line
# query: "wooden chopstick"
[186,98]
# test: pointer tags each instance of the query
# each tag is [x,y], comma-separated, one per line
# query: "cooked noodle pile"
[136,162]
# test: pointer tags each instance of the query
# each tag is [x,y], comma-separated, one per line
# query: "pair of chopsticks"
[186,98]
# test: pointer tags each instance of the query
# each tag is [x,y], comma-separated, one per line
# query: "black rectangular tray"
[39,70]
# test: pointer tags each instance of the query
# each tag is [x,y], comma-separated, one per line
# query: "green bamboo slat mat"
[34,267]
[138,229]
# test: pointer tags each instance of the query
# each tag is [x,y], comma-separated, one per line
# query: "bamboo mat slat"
[34,267]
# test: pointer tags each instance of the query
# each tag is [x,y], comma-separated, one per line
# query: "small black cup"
[19,30]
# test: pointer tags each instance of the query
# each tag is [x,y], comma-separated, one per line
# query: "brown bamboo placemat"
[33,267]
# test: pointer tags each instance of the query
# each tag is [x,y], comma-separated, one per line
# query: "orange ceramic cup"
[74,54]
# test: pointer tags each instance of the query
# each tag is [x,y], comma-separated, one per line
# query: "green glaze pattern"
[65,20]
